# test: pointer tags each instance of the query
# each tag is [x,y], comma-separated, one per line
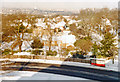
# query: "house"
[61,37]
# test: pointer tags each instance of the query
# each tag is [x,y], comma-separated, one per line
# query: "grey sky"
[59,0]
[60,4]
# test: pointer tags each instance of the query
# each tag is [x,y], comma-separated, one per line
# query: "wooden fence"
[46,57]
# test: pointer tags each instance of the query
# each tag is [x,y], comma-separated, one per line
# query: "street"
[67,70]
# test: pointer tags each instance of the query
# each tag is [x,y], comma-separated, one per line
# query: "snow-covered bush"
[37,52]
[51,53]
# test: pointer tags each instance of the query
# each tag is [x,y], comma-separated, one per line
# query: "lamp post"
[59,49]
[44,51]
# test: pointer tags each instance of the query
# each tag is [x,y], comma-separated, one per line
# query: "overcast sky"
[59,0]
[60,4]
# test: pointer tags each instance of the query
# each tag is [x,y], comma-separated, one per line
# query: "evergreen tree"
[37,44]
[108,48]
[95,49]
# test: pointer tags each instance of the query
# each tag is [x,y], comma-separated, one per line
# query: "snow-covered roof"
[72,21]
[23,53]
[96,36]
[41,24]
[26,45]
[6,45]
[107,22]
[67,38]
[66,16]
[62,23]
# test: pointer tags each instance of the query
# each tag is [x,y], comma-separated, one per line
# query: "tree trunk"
[50,42]
[50,46]
[20,45]
[12,52]
[20,48]
[112,60]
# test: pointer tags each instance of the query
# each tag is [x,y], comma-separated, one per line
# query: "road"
[74,71]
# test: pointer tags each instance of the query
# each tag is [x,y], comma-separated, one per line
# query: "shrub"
[6,51]
[1,52]
[37,52]
[64,51]
[72,53]
[51,53]
[37,44]
[28,51]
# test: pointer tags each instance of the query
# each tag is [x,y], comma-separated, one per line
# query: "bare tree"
[15,26]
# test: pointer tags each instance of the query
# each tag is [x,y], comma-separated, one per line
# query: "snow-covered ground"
[27,75]
[111,66]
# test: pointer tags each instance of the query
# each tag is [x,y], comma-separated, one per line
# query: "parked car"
[77,55]
[93,56]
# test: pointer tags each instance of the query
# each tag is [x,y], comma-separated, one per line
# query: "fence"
[46,57]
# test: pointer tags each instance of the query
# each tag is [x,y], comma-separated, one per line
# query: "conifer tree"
[95,49]
[108,48]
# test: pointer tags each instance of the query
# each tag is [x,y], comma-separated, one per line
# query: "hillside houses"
[61,35]
[56,33]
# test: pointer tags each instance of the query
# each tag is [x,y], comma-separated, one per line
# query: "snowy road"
[108,65]
[28,75]
[64,72]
